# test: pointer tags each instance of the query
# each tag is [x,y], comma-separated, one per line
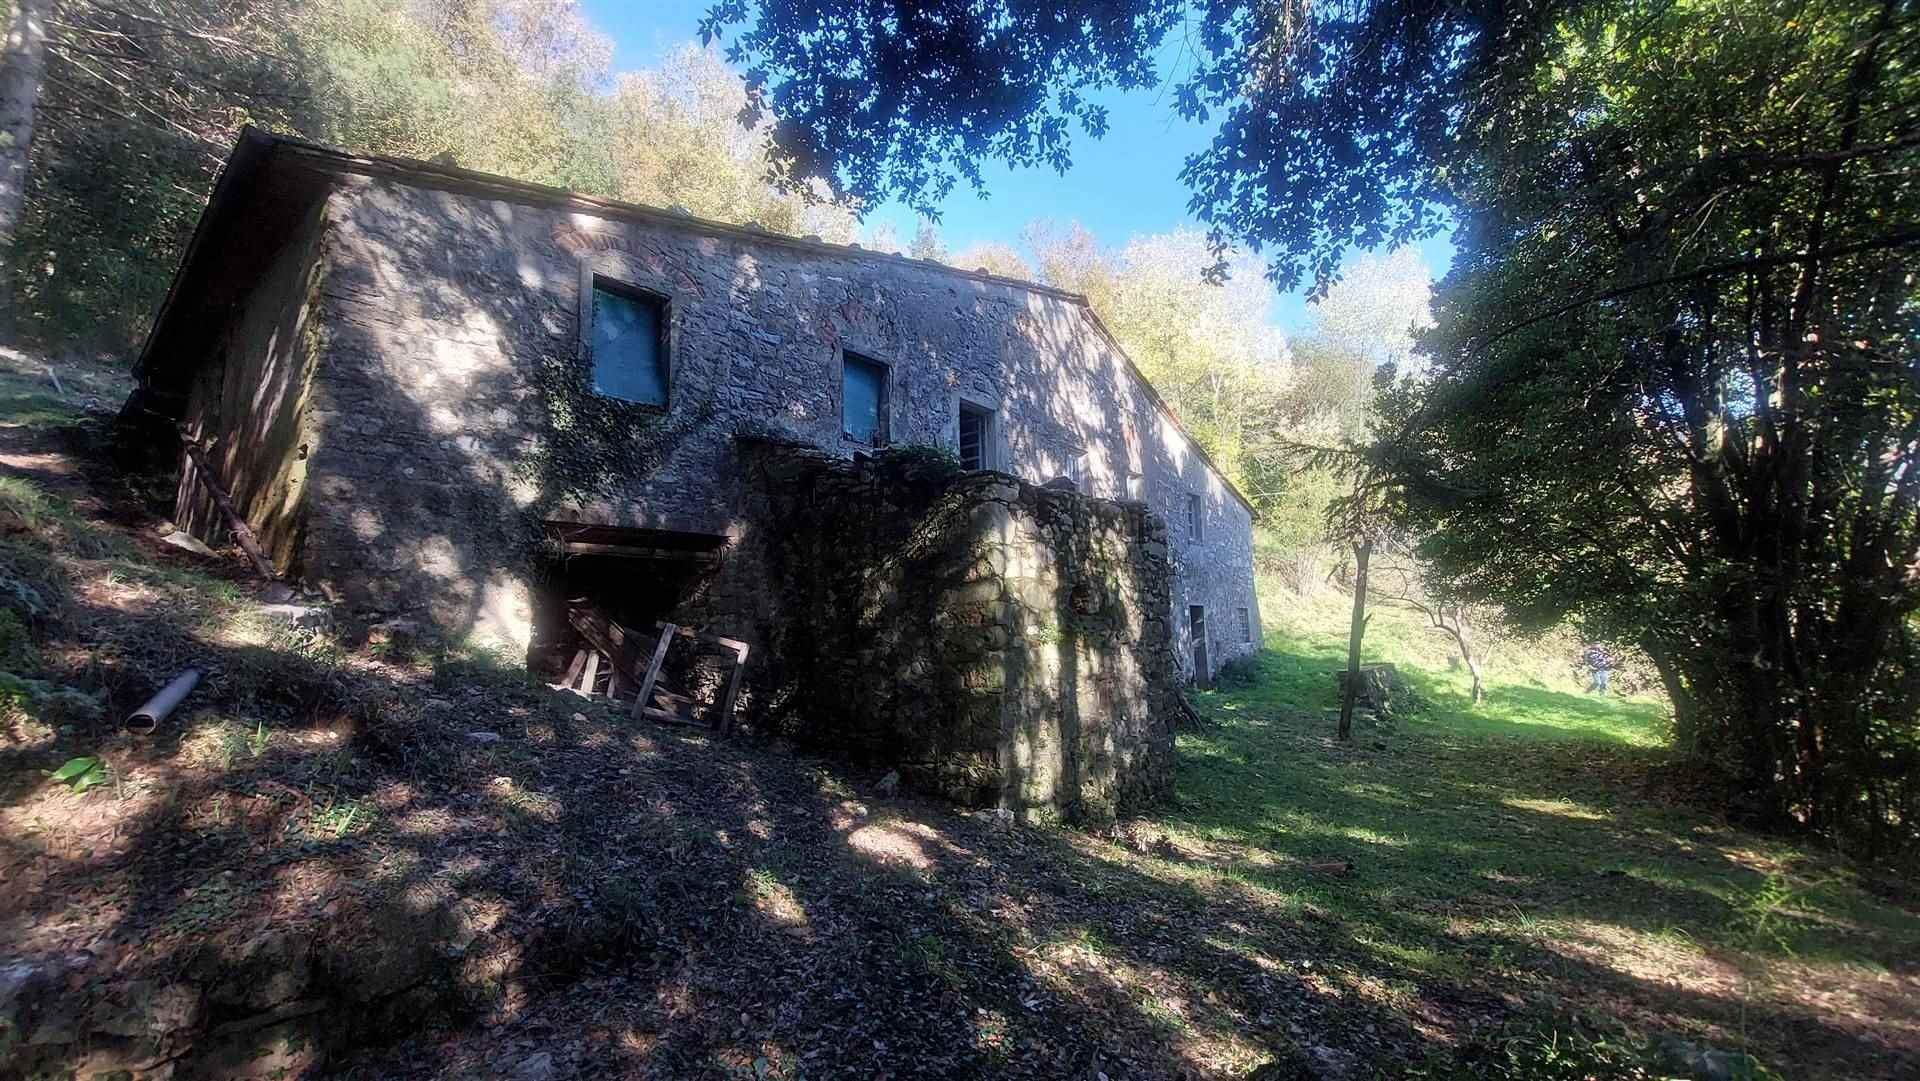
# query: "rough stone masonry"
[996,642]
[386,360]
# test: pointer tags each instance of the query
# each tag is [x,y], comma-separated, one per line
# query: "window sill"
[644,407]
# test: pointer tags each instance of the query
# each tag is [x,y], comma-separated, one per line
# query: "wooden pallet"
[609,664]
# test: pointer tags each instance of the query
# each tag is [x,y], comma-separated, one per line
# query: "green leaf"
[95,776]
[74,767]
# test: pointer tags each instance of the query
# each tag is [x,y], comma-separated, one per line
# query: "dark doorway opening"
[636,577]
[1197,630]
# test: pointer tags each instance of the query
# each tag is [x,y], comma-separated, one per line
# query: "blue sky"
[1120,185]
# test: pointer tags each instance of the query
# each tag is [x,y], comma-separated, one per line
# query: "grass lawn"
[1527,847]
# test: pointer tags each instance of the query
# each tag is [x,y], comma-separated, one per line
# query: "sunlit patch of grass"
[1530,693]
[1164,1014]
[529,806]
[1084,941]
[257,741]
[1371,836]
[1394,994]
[203,740]
[1508,842]
[52,520]
[1562,807]
[337,818]
[27,506]
[218,741]
[774,900]
[213,592]
[1420,957]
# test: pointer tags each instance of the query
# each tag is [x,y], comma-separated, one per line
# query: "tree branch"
[1906,239]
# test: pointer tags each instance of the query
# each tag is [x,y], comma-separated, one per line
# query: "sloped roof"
[270,180]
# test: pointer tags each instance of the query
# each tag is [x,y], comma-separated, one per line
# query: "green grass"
[1534,690]
[26,508]
[1517,841]
[28,398]
[35,409]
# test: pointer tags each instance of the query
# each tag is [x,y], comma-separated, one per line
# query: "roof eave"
[249,150]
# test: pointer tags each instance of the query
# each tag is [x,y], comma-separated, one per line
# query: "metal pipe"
[148,717]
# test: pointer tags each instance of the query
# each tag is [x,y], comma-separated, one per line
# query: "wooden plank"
[688,632]
[629,551]
[653,672]
[600,632]
[725,720]
[592,672]
[613,640]
[572,678]
[616,640]
[664,717]
[242,532]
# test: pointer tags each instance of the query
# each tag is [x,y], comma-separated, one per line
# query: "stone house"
[395,366]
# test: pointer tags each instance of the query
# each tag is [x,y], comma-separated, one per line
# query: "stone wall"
[450,372]
[997,643]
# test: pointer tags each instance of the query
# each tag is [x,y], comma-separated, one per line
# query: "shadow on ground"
[409,862]
[1541,866]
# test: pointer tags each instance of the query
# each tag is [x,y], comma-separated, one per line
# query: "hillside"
[349,857]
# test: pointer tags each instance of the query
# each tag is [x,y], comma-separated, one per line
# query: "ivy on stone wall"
[590,444]
[928,460]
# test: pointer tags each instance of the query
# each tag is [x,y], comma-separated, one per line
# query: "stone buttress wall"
[998,643]
[450,385]
[250,399]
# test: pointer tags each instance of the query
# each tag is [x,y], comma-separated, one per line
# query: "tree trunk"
[1687,736]
[1464,635]
[1463,638]
[1361,551]
[22,67]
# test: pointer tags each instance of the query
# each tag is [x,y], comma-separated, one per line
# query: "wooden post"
[242,532]
[1361,550]
[572,678]
[640,701]
[733,689]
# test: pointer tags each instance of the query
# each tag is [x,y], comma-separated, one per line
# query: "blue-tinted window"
[629,357]
[863,399]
